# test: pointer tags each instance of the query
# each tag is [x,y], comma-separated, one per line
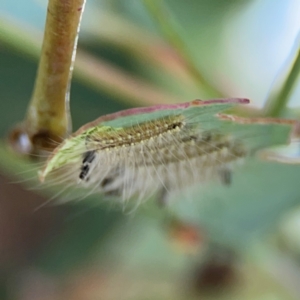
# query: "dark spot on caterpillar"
[206,136]
[84,171]
[111,177]
[162,197]
[189,138]
[225,176]
[88,158]
[175,125]
[106,181]
[113,193]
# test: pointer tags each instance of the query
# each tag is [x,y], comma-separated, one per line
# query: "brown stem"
[48,116]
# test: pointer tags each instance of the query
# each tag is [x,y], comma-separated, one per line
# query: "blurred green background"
[237,242]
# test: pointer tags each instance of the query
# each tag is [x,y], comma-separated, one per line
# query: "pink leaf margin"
[150,109]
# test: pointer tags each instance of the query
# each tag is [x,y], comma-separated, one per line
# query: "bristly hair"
[136,157]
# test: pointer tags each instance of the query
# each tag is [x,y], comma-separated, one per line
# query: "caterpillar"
[158,150]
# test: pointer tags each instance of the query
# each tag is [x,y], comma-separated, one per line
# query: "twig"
[93,71]
[48,116]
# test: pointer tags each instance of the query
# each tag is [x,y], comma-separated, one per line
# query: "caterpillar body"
[155,150]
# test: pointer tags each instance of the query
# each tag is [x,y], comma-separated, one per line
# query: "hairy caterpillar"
[162,149]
